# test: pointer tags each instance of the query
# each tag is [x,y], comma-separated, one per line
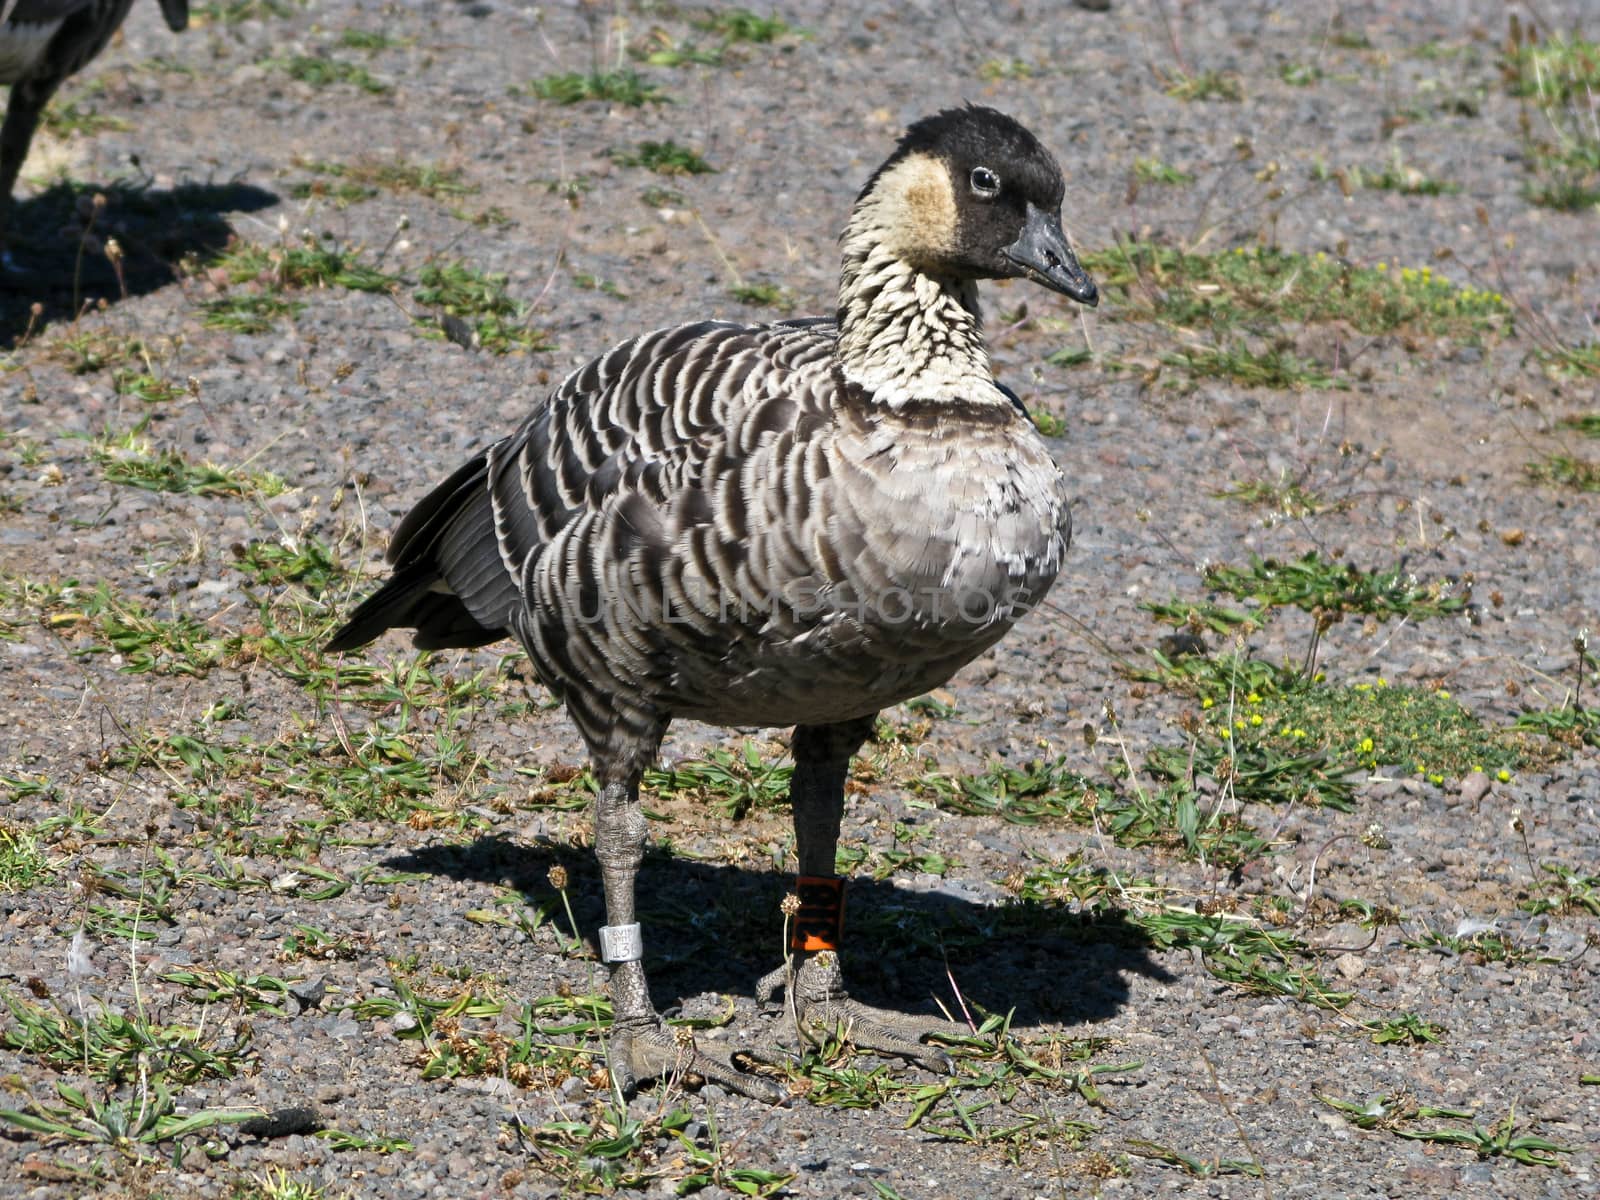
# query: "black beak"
[177,14]
[1043,255]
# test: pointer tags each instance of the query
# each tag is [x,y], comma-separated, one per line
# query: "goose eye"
[984,182]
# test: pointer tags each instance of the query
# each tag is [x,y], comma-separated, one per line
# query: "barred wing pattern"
[706,522]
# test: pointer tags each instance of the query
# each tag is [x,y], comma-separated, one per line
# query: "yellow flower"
[1207,702]
[1383,266]
[1366,745]
[1252,698]
[1503,775]
[1255,718]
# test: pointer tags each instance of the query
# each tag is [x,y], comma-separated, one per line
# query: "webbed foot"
[822,1008]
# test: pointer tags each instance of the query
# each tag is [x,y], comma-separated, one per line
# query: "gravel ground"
[1424,446]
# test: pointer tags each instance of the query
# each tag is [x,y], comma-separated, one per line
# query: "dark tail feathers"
[448,583]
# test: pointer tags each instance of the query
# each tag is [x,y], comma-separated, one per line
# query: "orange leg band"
[819,925]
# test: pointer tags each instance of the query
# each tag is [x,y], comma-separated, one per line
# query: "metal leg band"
[819,925]
[621,943]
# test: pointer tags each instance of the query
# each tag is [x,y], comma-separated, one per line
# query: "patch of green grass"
[314,263]
[76,118]
[763,295]
[1260,289]
[661,49]
[116,1048]
[1271,368]
[252,312]
[1242,953]
[622,86]
[1283,495]
[1375,725]
[1568,195]
[664,158]
[734,25]
[1199,1166]
[306,561]
[1554,70]
[319,71]
[341,193]
[234,12]
[23,862]
[1153,170]
[132,1123]
[132,460]
[1568,471]
[732,783]
[592,283]
[244,993]
[365,178]
[1557,79]
[1207,85]
[1407,1029]
[664,197]
[275,1183]
[1569,725]
[1167,817]
[474,309]
[89,350]
[1395,177]
[1330,590]
[1048,423]
[612,1148]
[392,175]
[1300,74]
[902,855]
[1565,891]
[371,1143]
[1500,1140]
[1587,424]
[995,69]
[147,387]
[1024,795]
[1337,588]
[370,40]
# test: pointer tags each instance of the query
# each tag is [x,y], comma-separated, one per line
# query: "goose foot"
[649,1049]
[822,1008]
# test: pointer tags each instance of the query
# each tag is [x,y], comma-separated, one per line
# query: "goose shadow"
[56,245]
[713,927]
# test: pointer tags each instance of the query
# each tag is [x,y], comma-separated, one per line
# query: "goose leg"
[642,1047]
[820,1005]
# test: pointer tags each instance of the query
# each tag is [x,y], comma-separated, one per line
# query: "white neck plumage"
[904,335]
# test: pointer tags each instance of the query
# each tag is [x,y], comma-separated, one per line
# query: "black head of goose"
[42,44]
[787,524]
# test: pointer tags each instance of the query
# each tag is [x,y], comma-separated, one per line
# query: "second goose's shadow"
[710,927]
[58,245]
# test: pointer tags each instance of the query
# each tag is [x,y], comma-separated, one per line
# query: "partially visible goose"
[788,524]
[42,43]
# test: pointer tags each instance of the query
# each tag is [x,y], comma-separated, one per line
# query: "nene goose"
[42,42]
[769,525]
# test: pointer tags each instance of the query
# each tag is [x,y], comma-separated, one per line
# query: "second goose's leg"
[642,1047]
[818,998]
[24,107]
